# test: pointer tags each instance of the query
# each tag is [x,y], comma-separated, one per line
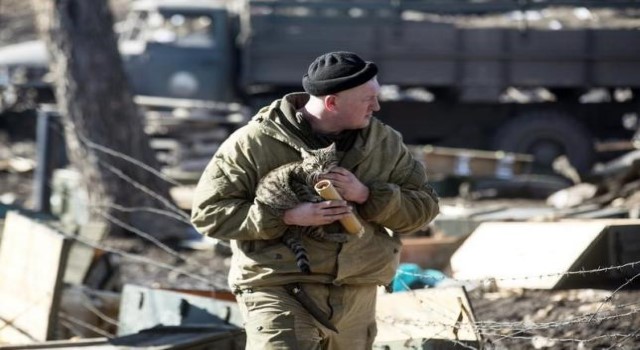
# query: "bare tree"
[101,120]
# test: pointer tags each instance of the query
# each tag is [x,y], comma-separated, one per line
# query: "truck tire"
[547,135]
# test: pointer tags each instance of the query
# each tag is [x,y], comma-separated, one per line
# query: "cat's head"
[319,162]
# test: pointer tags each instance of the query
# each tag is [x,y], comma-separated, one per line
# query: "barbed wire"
[117,154]
[500,337]
[490,279]
[447,328]
[24,311]
[78,322]
[487,328]
[624,339]
[143,188]
[529,328]
[613,293]
[185,217]
[483,327]
[71,327]
[568,340]
[135,162]
[512,326]
[522,326]
[167,213]
[142,259]
[144,235]
[178,214]
[86,303]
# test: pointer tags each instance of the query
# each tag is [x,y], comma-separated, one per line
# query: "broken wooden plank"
[607,212]
[81,255]
[33,259]
[471,162]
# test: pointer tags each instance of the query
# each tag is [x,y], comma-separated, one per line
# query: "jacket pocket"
[372,258]
[270,255]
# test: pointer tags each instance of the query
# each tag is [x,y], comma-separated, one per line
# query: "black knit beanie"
[337,71]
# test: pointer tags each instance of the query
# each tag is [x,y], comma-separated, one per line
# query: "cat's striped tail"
[294,243]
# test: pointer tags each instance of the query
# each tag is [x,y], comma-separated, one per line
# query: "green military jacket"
[400,201]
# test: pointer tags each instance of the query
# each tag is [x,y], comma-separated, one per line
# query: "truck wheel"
[547,135]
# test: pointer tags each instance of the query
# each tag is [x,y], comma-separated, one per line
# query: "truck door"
[181,54]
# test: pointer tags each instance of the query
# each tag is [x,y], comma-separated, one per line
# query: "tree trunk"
[97,109]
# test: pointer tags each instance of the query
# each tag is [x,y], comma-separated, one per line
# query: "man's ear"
[330,102]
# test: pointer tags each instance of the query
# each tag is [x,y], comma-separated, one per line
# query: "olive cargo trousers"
[274,319]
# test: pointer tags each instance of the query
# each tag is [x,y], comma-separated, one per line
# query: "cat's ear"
[331,147]
[305,154]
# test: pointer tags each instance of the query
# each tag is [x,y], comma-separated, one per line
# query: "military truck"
[542,91]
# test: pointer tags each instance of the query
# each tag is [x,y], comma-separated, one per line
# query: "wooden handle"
[351,223]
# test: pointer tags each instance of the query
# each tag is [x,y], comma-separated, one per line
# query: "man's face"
[356,106]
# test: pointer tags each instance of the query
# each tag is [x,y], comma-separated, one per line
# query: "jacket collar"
[281,121]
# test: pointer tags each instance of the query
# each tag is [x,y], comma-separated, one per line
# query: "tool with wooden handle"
[351,223]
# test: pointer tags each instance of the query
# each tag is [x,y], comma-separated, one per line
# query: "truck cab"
[179,49]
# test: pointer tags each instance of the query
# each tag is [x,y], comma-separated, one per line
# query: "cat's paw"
[337,237]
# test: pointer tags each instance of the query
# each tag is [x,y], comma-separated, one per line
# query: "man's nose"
[376,105]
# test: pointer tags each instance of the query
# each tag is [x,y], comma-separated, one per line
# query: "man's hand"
[348,185]
[316,214]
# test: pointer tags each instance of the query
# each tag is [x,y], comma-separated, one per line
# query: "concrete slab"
[538,255]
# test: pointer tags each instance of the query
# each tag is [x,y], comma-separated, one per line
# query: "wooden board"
[441,316]
[469,162]
[32,264]
[535,255]
[82,255]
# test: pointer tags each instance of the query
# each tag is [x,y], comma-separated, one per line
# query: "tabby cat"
[291,184]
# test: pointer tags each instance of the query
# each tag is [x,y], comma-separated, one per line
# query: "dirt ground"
[540,319]
[601,318]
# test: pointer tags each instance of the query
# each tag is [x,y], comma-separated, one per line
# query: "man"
[380,182]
